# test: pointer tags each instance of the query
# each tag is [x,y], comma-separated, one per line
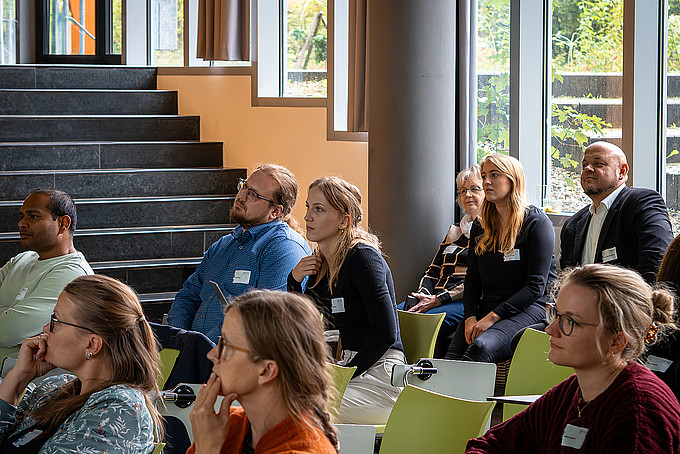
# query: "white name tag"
[450,249]
[574,436]
[609,255]
[511,256]
[22,294]
[657,364]
[337,305]
[28,437]
[241,277]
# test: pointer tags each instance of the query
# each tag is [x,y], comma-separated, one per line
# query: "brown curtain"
[358,70]
[223,30]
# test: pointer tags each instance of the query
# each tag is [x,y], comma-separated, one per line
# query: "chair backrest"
[341,377]
[419,333]
[462,379]
[356,438]
[530,370]
[158,448]
[424,421]
[168,360]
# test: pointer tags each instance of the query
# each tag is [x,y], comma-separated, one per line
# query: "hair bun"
[664,302]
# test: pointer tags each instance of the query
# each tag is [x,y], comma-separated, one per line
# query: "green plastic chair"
[419,334]
[530,370]
[341,377]
[424,421]
[158,448]
[168,359]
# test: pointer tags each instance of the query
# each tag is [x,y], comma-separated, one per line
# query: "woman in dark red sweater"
[599,326]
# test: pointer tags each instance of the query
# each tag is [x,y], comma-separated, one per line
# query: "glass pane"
[116,27]
[71,29]
[493,77]
[587,65]
[673,114]
[306,32]
[8,40]
[167,32]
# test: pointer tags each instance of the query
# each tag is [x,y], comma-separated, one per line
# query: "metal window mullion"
[529,91]
[643,68]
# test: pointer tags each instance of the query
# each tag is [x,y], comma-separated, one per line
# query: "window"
[167,32]
[672,157]
[493,77]
[8,30]
[587,85]
[291,48]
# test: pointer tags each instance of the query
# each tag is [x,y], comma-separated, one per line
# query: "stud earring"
[88,356]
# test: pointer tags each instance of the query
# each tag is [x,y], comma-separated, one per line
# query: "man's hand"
[210,428]
[425,302]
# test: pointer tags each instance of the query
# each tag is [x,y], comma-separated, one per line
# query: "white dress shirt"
[597,218]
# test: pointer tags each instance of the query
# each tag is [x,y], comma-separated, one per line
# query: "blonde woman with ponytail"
[604,318]
[510,266]
[352,285]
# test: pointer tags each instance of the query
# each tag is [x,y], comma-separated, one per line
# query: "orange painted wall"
[294,137]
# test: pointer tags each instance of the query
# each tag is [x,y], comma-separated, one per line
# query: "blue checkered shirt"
[267,251]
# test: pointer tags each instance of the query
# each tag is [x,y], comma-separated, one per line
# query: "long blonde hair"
[345,198]
[286,328]
[497,237]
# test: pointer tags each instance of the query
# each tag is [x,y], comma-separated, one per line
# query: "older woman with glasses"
[441,288]
[272,358]
[99,334]
[602,320]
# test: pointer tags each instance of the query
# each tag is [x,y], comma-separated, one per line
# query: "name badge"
[450,249]
[241,277]
[574,436]
[511,256]
[27,438]
[657,364]
[22,294]
[609,255]
[337,305]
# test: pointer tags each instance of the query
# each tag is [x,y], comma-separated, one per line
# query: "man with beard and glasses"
[30,282]
[622,226]
[258,253]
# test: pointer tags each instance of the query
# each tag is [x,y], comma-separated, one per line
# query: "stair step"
[77,76]
[80,184]
[87,102]
[108,155]
[136,212]
[146,263]
[51,128]
[157,297]
[132,243]
[150,276]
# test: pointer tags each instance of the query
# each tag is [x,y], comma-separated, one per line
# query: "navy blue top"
[512,282]
[367,315]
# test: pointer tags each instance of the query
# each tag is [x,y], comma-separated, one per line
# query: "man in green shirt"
[31,281]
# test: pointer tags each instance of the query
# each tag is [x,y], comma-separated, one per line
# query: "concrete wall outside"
[294,137]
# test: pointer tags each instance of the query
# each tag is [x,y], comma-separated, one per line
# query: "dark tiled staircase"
[151,198]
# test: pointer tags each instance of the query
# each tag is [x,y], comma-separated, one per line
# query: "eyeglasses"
[250,194]
[472,190]
[54,321]
[223,345]
[552,314]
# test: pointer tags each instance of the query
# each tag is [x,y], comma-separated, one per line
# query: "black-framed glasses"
[223,345]
[565,322]
[472,190]
[250,193]
[54,321]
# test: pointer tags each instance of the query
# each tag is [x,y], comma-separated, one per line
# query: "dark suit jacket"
[637,225]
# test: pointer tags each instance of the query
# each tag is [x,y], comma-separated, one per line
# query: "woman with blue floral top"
[97,332]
